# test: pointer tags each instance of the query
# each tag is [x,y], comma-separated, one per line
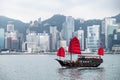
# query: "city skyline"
[35,41]
[30,10]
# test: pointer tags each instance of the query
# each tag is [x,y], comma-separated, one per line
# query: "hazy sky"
[27,10]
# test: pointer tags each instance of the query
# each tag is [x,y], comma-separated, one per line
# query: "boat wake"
[90,68]
[83,68]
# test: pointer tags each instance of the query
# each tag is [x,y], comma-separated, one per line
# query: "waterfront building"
[11,40]
[53,38]
[31,41]
[44,42]
[116,41]
[11,43]
[14,44]
[117,37]
[108,25]
[24,47]
[80,36]
[20,41]
[110,31]
[2,37]
[36,42]
[93,37]
[68,29]
[7,42]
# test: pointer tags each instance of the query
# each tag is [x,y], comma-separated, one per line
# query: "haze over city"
[26,10]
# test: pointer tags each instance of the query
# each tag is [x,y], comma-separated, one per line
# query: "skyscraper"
[53,37]
[108,26]
[2,37]
[44,42]
[36,42]
[11,40]
[116,41]
[110,30]
[93,37]
[68,29]
[31,41]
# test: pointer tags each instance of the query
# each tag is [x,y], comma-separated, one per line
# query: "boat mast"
[71,56]
[59,58]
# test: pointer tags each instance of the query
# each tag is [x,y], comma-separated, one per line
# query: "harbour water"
[44,67]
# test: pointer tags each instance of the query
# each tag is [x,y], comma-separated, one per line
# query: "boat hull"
[82,63]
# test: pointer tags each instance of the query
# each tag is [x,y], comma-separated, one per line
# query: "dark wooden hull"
[92,62]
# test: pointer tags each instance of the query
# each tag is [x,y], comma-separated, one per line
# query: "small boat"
[82,60]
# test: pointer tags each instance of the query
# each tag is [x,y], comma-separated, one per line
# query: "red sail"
[61,52]
[101,51]
[74,46]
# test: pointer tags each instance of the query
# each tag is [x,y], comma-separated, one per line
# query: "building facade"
[68,29]
[36,43]
[93,37]
[44,42]
[107,28]
[2,37]
[31,41]
[110,31]
[116,41]
[11,40]
[53,38]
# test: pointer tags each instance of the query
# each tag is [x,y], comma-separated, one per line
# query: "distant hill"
[19,25]
[55,20]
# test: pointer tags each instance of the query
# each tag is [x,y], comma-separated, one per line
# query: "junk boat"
[82,60]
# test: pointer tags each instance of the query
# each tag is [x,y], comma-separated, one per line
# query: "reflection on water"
[70,74]
[81,73]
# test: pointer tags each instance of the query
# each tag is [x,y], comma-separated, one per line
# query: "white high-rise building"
[93,37]
[68,29]
[37,42]
[31,41]
[44,42]
[80,36]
